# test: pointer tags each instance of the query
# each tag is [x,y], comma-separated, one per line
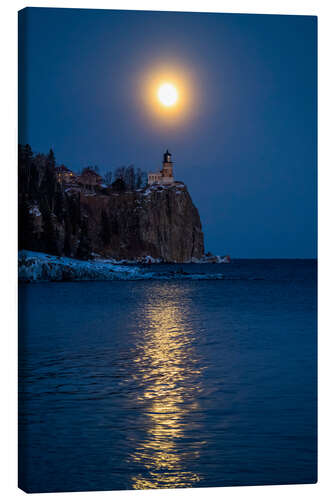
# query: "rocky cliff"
[62,217]
[161,222]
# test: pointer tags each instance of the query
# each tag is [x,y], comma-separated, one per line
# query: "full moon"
[167,94]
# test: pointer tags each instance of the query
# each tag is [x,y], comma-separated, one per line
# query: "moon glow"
[167,94]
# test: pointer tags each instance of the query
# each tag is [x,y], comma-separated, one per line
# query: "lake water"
[180,383]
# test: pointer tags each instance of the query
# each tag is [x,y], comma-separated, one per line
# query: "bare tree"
[94,168]
[130,178]
[108,177]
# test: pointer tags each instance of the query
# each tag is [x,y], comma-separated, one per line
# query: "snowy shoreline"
[35,267]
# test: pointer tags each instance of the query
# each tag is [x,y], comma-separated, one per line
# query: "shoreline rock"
[155,224]
[38,267]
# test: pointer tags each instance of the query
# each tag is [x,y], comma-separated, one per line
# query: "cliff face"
[161,222]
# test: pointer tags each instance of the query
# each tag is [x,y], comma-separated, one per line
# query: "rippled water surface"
[161,384]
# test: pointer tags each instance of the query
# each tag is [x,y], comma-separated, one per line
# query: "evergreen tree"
[49,232]
[49,185]
[51,159]
[119,185]
[73,210]
[25,226]
[25,159]
[67,240]
[84,249]
[27,154]
[59,205]
[105,229]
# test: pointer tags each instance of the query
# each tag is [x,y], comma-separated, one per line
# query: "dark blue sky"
[247,151]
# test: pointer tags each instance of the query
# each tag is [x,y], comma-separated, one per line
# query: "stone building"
[89,180]
[64,174]
[164,176]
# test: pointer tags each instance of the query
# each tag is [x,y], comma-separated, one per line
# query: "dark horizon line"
[274,258]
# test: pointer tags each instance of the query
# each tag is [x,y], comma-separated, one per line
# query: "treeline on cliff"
[113,218]
[60,211]
[40,190]
[126,178]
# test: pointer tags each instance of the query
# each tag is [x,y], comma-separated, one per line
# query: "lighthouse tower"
[164,176]
[167,166]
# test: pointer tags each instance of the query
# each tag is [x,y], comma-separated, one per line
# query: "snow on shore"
[38,267]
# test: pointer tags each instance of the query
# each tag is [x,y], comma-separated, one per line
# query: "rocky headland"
[157,223]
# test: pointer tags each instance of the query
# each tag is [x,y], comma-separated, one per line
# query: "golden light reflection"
[168,369]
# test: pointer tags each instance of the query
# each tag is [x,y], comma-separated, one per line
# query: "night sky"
[246,144]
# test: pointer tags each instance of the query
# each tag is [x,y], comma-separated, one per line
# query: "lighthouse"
[167,166]
[164,176]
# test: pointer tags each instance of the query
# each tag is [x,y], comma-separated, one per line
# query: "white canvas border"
[8,213]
